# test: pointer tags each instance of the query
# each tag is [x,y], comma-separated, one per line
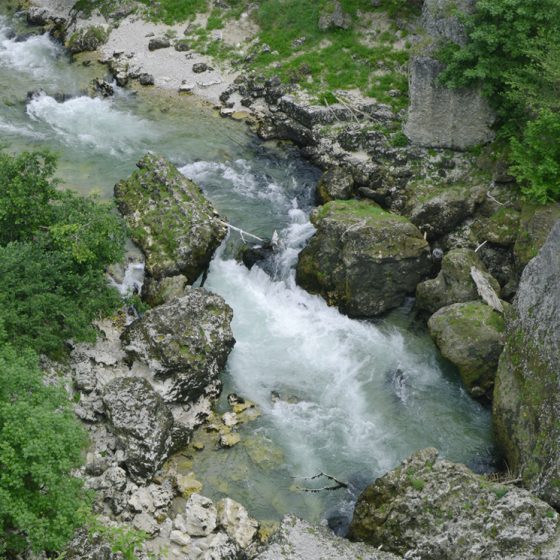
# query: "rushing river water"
[356,397]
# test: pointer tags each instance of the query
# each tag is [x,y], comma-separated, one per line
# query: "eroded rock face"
[169,218]
[429,508]
[184,343]
[299,540]
[363,259]
[526,397]
[453,284]
[438,116]
[335,184]
[142,423]
[471,336]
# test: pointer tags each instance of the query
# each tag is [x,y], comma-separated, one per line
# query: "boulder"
[158,43]
[235,521]
[501,228]
[437,211]
[526,396]
[334,17]
[438,116]
[299,540]
[471,335]
[363,259]
[200,516]
[335,184]
[429,509]
[184,343]
[535,224]
[87,39]
[169,219]
[454,283]
[142,423]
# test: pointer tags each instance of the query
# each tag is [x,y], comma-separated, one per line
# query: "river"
[356,397]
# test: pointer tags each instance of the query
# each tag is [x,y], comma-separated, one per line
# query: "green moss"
[356,209]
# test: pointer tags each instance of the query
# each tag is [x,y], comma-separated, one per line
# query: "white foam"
[93,123]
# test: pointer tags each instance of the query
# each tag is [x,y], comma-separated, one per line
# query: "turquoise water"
[355,397]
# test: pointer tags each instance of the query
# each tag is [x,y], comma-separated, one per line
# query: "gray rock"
[169,219]
[299,540]
[156,292]
[200,67]
[90,546]
[185,343]
[146,79]
[201,517]
[334,17]
[145,523]
[159,43]
[335,184]
[142,423]
[430,509]
[217,546]
[87,39]
[234,519]
[439,116]
[363,259]
[526,397]
[454,283]
[38,16]
[471,335]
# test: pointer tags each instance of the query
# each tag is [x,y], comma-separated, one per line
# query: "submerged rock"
[184,343]
[471,335]
[428,508]
[299,540]
[169,218]
[526,397]
[454,283]
[363,259]
[142,423]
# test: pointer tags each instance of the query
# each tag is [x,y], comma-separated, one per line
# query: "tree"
[40,443]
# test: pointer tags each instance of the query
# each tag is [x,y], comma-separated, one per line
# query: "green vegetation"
[54,247]
[513,54]
[40,503]
[172,11]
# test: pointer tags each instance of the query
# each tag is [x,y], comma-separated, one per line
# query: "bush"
[40,444]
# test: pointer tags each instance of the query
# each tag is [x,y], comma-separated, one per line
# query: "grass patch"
[173,11]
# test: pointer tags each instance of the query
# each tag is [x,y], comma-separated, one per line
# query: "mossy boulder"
[501,228]
[526,396]
[430,508]
[182,345]
[438,210]
[170,219]
[470,335]
[335,184]
[454,283]
[534,227]
[87,39]
[363,259]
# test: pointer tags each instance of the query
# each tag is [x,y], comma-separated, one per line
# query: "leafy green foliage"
[513,54]
[54,248]
[40,444]
[536,157]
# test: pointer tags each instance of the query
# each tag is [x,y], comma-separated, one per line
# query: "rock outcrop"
[170,219]
[142,423]
[471,336]
[526,397]
[87,39]
[454,283]
[363,259]
[439,116]
[184,343]
[428,508]
[299,540]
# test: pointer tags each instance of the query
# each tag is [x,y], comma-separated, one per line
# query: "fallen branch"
[339,483]
[480,246]
[494,200]
[241,232]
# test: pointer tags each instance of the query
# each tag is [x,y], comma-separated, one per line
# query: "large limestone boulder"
[439,116]
[299,540]
[527,395]
[454,283]
[170,219]
[142,423]
[184,344]
[428,508]
[363,259]
[471,336]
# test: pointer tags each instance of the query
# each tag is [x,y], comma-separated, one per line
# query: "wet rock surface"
[363,259]
[526,402]
[431,508]
[184,343]
[169,218]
